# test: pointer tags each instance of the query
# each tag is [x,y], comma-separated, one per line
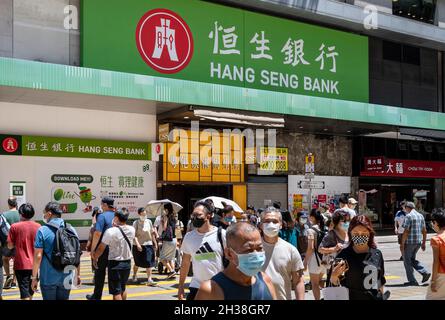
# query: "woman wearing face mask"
[301,229]
[362,268]
[436,290]
[312,260]
[168,237]
[337,238]
[242,279]
[145,246]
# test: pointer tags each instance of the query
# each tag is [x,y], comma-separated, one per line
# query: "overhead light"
[186,118]
[325,129]
[239,118]
[301,127]
[349,131]
[202,119]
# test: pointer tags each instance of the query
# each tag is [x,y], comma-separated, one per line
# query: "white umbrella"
[218,203]
[155,207]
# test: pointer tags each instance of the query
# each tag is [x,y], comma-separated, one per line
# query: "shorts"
[24,282]
[118,274]
[192,294]
[399,238]
[313,266]
[144,258]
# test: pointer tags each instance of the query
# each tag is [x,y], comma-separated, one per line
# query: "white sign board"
[311,184]
[18,190]
[79,184]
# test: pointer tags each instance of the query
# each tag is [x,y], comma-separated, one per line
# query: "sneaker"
[151,283]
[426,277]
[171,275]
[411,284]
[13,285]
[401,259]
[135,278]
[8,282]
[90,297]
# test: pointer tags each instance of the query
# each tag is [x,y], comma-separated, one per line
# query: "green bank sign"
[201,41]
[73,148]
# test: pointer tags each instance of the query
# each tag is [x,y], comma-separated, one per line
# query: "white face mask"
[271,229]
[142,218]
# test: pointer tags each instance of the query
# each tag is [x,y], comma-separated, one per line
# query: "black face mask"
[198,222]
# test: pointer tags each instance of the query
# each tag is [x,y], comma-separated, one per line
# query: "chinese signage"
[273,159]
[405,168]
[205,42]
[204,156]
[18,190]
[309,166]
[74,148]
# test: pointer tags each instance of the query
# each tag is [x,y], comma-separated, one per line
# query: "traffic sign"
[304,184]
[310,163]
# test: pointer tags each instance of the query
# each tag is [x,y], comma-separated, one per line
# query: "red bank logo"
[164,41]
[10,145]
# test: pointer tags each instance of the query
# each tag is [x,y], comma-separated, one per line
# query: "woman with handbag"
[168,238]
[360,267]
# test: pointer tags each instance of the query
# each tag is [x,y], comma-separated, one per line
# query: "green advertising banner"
[84,148]
[201,41]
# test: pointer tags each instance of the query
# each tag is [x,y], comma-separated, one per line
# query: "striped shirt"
[415,223]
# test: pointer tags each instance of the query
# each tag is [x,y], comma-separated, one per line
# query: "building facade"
[347,81]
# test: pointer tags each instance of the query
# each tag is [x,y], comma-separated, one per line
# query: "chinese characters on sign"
[381,167]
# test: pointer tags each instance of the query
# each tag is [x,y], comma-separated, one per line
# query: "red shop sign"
[408,169]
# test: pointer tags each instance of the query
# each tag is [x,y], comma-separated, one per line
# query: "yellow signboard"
[204,157]
[273,159]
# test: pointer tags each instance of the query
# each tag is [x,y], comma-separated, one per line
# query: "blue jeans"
[55,292]
[410,262]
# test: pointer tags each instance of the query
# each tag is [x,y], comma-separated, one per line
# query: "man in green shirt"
[12,216]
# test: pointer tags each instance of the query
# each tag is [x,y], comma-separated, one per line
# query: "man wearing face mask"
[204,247]
[283,262]
[242,279]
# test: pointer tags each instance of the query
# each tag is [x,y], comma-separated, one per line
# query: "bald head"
[240,233]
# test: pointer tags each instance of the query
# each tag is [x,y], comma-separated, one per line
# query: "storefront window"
[369,204]
[421,10]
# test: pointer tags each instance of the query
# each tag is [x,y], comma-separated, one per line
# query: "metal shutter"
[258,192]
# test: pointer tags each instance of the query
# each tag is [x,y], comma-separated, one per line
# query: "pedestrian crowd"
[263,255]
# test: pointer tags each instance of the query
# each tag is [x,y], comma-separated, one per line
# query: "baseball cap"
[303,214]
[352,200]
[108,201]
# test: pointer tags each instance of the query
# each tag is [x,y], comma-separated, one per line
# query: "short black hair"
[26,210]
[343,199]
[54,208]
[227,209]
[140,210]
[277,204]
[205,204]
[12,202]
[122,215]
[169,207]
[439,216]
[96,211]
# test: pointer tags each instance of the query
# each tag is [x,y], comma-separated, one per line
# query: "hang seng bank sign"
[200,41]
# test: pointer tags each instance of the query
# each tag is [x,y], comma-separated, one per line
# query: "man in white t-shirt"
[283,261]
[398,223]
[119,240]
[204,247]
[345,205]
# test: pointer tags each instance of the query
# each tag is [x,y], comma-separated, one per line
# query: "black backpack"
[225,261]
[66,250]
[320,235]
[4,230]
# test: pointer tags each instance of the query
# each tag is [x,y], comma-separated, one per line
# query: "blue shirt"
[104,221]
[289,235]
[45,239]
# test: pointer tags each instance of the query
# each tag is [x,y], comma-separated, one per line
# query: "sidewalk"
[393,239]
